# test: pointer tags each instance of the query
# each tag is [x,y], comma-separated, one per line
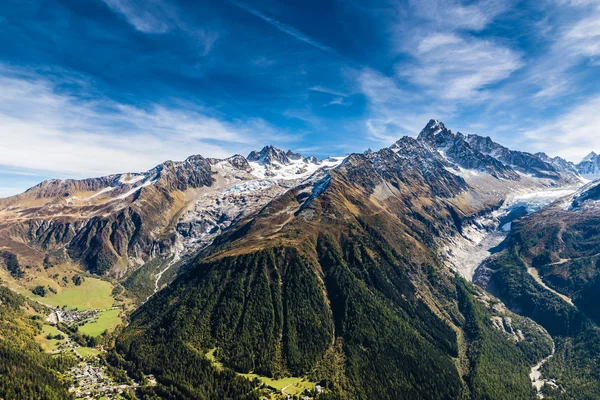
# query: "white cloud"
[205,38]
[149,16]
[394,112]
[338,101]
[158,17]
[574,39]
[573,134]
[577,3]
[452,14]
[453,66]
[435,41]
[441,68]
[283,27]
[42,129]
[326,90]
[584,36]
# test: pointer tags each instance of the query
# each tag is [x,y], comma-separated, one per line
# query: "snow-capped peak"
[589,167]
[432,128]
[590,157]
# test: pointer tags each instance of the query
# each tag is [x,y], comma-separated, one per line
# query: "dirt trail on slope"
[534,273]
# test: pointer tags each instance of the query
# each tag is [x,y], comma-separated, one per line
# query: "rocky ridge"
[117,224]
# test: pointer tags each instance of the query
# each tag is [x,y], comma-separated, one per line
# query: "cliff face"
[107,224]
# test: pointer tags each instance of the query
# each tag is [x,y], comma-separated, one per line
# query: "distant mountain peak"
[432,128]
[483,154]
[268,155]
[590,157]
[559,163]
[589,167]
[293,156]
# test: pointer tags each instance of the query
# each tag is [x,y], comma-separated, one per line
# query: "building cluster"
[91,381]
[69,317]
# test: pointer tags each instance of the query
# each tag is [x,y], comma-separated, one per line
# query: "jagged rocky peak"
[415,163]
[483,154]
[487,146]
[436,134]
[455,149]
[297,157]
[433,127]
[293,156]
[311,160]
[518,160]
[272,156]
[194,172]
[237,161]
[408,147]
[268,155]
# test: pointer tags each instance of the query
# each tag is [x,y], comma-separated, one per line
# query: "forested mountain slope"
[335,279]
[549,272]
[341,272]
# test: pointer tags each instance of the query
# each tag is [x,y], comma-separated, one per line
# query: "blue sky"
[94,87]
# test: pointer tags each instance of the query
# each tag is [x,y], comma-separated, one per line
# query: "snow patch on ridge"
[135,189]
[132,180]
[105,190]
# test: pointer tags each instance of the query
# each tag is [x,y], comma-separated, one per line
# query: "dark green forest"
[564,253]
[353,300]
[25,371]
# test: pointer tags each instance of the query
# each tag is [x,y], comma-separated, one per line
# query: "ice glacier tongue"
[466,253]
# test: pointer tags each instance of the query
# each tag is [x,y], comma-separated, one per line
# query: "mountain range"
[351,277]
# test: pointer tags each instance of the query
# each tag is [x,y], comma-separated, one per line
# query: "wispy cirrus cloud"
[64,134]
[159,17]
[583,37]
[447,59]
[442,64]
[338,101]
[564,82]
[574,37]
[394,112]
[283,27]
[327,90]
[148,16]
[459,67]
[453,14]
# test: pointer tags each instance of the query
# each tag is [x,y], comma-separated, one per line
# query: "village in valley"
[91,378]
